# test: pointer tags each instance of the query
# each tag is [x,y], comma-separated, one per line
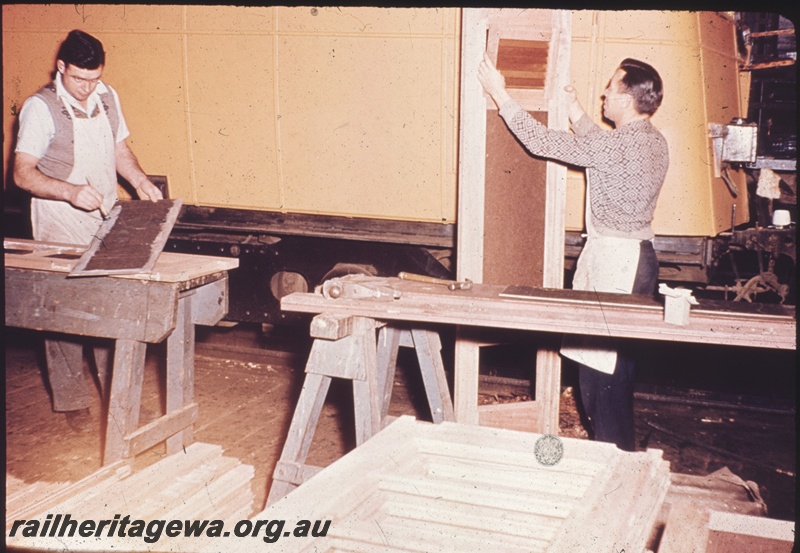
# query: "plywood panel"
[514,208]
[91,18]
[156,112]
[358,20]
[227,19]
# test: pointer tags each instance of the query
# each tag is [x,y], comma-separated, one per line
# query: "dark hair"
[82,50]
[642,82]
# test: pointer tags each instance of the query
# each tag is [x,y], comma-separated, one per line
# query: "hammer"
[451,284]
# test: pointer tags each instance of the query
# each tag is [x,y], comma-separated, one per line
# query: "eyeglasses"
[618,96]
[80,80]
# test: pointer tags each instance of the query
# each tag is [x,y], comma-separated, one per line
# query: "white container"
[781,218]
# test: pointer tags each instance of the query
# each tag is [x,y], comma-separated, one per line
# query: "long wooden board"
[564,312]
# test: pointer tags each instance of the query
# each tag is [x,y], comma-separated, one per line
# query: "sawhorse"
[345,347]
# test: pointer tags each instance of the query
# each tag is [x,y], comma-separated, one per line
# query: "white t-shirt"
[36,125]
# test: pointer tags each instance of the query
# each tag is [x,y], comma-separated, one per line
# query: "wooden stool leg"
[289,472]
[548,391]
[367,395]
[467,375]
[429,354]
[125,398]
[388,347]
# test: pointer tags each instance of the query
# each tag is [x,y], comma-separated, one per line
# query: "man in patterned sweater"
[625,169]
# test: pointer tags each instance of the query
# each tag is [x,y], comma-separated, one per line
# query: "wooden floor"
[247,393]
[247,396]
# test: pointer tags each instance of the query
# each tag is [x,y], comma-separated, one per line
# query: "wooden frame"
[476,24]
[417,486]
[113,250]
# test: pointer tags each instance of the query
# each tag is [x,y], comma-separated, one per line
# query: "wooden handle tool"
[451,284]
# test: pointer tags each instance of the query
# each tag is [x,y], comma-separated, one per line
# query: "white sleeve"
[122,129]
[36,128]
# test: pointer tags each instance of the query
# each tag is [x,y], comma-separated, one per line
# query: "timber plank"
[196,484]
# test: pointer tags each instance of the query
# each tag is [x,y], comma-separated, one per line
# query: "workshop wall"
[349,111]
[353,111]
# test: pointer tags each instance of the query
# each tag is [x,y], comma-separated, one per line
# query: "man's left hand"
[149,191]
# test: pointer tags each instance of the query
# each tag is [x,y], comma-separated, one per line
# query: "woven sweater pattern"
[625,167]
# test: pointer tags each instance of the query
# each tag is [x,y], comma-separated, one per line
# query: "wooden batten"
[198,483]
[520,415]
[694,527]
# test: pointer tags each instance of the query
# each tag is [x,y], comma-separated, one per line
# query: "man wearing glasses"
[70,147]
[625,170]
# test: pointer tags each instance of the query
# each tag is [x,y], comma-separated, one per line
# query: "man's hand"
[146,190]
[28,177]
[576,110]
[84,197]
[493,81]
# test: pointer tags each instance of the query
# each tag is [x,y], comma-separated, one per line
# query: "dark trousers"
[65,368]
[608,398]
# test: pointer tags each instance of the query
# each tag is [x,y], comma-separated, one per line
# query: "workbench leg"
[429,353]
[367,394]
[465,387]
[288,472]
[125,397]
[388,348]
[180,371]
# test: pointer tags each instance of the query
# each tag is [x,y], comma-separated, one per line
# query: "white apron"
[94,161]
[606,264]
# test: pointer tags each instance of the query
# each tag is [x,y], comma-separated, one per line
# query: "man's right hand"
[576,110]
[85,197]
[28,177]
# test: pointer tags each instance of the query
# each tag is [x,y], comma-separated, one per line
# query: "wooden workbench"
[164,304]
[556,311]
[351,308]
